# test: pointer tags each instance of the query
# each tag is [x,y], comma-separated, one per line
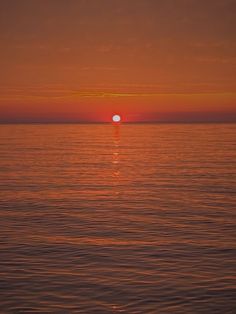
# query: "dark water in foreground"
[129,219]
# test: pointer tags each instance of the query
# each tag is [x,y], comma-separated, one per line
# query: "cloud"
[59,94]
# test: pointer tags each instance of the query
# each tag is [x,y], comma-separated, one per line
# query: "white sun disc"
[116,118]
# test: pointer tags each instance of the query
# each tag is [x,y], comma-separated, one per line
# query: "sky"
[147,60]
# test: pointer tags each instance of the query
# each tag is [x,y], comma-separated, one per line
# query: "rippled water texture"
[117,219]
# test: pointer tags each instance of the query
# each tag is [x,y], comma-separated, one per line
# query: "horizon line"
[120,123]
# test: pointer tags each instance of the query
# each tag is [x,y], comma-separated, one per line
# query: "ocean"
[129,218]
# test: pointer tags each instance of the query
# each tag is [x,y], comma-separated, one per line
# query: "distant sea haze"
[15,117]
[128,218]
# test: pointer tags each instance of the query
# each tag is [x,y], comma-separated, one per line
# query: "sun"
[116,118]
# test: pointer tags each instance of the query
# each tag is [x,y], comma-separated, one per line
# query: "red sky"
[148,60]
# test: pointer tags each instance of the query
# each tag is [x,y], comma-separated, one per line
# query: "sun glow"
[116,118]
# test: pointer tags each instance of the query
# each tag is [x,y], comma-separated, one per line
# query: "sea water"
[128,218]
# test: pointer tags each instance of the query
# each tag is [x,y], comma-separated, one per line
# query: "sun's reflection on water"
[116,159]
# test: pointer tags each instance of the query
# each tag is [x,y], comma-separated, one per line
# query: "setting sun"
[116,118]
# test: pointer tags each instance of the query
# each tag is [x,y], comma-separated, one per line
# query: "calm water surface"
[117,219]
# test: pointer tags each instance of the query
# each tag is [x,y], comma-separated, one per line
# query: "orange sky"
[148,60]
